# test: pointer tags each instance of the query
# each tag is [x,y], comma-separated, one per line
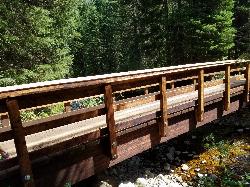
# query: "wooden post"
[163,126]
[200,114]
[194,83]
[172,85]
[110,120]
[20,143]
[227,89]
[5,120]
[247,85]
[67,107]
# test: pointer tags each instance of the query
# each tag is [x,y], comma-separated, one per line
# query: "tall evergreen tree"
[35,38]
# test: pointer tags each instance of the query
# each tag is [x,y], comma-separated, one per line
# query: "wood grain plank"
[67,107]
[227,89]
[5,120]
[20,143]
[200,112]
[110,120]
[163,125]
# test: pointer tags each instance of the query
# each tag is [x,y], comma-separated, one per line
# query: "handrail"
[98,79]
[68,91]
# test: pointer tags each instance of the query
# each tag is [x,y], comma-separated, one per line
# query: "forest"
[53,39]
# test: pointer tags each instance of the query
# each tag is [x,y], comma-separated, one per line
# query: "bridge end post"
[20,143]
[110,120]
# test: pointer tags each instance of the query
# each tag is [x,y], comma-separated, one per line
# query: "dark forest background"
[46,40]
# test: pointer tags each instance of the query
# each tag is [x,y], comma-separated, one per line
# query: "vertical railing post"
[67,107]
[163,126]
[172,85]
[110,120]
[20,143]
[247,84]
[194,83]
[200,114]
[5,120]
[227,88]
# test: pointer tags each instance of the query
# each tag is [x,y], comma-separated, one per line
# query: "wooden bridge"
[140,110]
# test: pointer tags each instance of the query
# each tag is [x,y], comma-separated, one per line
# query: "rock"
[149,174]
[171,149]
[167,167]
[200,175]
[190,155]
[127,185]
[184,184]
[197,169]
[141,182]
[184,167]
[177,152]
[240,130]
[196,156]
[203,161]
[170,156]
[104,184]
[114,172]
[194,137]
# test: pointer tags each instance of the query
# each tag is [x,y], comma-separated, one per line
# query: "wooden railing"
[163,81]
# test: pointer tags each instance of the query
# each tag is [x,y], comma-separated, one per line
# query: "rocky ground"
[214,155]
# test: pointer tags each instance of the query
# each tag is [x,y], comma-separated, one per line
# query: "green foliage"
[210,141]
[226,178]
[42,112]
[86,103]
[35,40]
[242,24]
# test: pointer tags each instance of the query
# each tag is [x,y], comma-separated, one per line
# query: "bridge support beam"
[227,89]
[163,126]
[110,120]
[20,143]
[200,112]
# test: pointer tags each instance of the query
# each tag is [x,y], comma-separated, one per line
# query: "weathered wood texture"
[67,107]
[163,125]
[20,143]
[227,89]
[61,168]
[5,120]
[200,111]
[110,120]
